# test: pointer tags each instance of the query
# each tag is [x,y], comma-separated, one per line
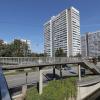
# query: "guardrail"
[4,92]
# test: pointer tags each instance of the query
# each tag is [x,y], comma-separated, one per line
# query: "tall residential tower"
[63,31]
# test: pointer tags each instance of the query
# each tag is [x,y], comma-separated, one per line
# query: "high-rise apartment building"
[84,47]
[63,31]
[90,44]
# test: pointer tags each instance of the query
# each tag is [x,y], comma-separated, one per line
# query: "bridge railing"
[38,60]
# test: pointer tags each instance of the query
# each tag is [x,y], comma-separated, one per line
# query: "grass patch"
[55,90]
[32,94]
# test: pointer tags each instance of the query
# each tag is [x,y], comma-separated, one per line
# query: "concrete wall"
[84,92]
[18,97]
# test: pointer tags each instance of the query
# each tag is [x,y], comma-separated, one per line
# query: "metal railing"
[4,92]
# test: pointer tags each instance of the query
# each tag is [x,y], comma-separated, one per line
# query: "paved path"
[89,81]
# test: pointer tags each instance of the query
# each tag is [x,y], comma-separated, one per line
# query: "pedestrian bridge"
[11,63]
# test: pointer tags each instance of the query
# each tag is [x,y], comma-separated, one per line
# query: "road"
[33,77]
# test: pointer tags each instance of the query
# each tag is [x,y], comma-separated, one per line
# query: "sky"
[24,19]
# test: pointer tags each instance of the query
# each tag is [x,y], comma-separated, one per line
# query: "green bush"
[55,90]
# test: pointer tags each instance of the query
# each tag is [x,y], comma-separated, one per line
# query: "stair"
[91,66]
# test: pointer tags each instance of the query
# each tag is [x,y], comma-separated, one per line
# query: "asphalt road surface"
[33,77]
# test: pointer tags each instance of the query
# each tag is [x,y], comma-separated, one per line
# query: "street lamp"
[26,76]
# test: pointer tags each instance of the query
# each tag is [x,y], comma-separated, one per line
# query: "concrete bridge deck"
[10,63]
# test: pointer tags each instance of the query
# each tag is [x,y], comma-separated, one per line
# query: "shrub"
[55,90]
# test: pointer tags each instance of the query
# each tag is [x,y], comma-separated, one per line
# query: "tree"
[38,54]
[16,49]
[78,55]
[60,53]
[3,48]
[20,48]
[7,52]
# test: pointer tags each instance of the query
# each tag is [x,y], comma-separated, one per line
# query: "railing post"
[18,59]
[3,61]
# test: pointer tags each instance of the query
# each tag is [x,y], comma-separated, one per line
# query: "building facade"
[28,51]
[90,44]
[28,42]
[24,45]
[63,31]
[84,46]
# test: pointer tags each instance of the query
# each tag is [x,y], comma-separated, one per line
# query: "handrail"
[39,60]
[4,92]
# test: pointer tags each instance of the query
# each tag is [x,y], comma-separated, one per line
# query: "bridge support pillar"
[54,72]
[24,90]
[40,82]
[79,72]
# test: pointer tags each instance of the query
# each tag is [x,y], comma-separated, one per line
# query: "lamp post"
[26,76]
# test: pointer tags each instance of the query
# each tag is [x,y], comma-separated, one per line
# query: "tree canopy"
[60,53]
[15,49]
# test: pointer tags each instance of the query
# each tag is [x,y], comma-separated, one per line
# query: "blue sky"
[25,18]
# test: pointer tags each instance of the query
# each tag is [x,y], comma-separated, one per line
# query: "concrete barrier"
[85,91]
